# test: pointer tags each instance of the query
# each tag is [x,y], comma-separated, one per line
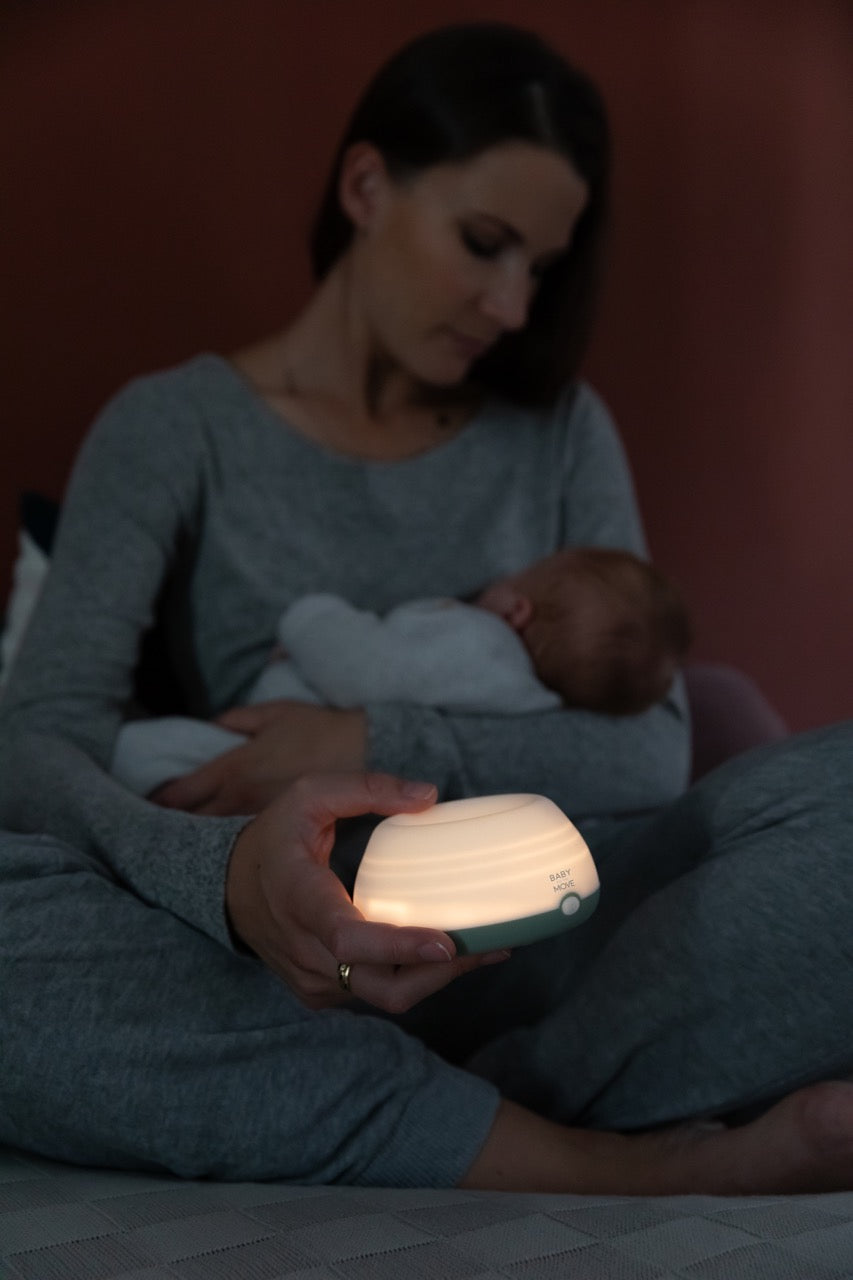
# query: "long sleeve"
[593,765]
[130,505]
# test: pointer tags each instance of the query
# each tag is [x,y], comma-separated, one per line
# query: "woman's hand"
[294,913]
[285,740]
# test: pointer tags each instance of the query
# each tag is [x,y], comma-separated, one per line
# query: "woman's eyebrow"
[499,224]
[514,235]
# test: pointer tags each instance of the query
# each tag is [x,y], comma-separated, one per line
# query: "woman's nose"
[508,300]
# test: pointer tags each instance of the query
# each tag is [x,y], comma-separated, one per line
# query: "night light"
[492,871]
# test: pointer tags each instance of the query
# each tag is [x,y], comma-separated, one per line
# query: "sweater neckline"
[271,417]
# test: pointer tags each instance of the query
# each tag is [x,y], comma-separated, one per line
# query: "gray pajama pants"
[716,974]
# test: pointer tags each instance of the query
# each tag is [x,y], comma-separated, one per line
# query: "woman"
[192,988]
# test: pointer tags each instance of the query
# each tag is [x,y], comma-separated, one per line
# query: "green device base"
[570,911]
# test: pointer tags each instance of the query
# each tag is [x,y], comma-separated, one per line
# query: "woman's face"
[446,262]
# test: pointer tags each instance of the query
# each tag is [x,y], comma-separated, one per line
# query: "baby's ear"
[508,603]
[519,611]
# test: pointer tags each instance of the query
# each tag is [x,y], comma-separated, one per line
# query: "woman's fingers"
[395,990]
[391,967]
[328,796]
[253,719]
[289,907]
[350,937]
[190,792]
[322,908]
[325,910]
[251,777]
[312,972]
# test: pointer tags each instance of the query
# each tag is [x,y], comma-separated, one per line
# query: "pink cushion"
[730,714]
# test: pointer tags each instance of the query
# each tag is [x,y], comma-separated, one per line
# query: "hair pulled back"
[446,97]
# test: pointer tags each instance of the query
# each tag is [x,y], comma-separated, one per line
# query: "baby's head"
[604,629]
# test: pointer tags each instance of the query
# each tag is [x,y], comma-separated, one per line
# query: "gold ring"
[344,971]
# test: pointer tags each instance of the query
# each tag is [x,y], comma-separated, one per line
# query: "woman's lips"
[468,346]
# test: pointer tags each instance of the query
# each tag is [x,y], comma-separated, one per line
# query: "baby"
[589,628]
[602,628]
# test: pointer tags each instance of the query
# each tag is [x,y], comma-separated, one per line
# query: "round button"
[570,904]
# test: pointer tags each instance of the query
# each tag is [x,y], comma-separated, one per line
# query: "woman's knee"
[799,787]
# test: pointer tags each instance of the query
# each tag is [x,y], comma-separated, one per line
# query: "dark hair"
[636,616]
[448,96]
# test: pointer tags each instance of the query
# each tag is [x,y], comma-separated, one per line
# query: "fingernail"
[494,957]
[418,790]
[434,951]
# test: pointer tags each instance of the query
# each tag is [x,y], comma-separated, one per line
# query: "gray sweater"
[191,485]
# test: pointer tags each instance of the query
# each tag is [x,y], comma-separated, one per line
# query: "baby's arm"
[434,652]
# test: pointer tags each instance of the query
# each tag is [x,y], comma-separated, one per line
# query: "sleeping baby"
[590,628]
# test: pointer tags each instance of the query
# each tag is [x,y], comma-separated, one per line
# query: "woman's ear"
[362,184]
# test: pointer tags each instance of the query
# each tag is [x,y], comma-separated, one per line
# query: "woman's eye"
[481,246]
[540,268]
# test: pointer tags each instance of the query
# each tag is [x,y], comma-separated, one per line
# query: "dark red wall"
[159,161]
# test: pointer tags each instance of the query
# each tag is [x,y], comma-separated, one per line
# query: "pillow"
[35,537]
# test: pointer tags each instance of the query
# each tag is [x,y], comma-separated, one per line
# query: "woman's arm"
[592,765]
[132,499]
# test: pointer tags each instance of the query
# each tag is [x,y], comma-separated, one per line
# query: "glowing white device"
[492,871]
